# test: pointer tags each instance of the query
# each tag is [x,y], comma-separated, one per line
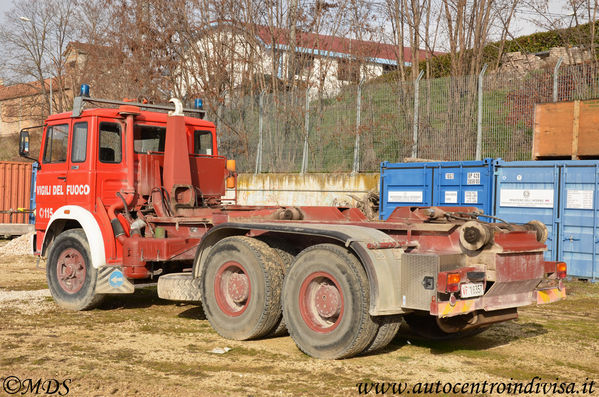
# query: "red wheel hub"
[232,288]
[70,270]
[321,302]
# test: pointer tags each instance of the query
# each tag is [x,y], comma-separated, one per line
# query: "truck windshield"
[148,138]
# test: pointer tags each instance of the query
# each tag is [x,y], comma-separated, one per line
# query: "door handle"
[64,178]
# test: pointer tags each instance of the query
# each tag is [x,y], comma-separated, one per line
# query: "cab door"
[79,189]
[52,176]
[111,171]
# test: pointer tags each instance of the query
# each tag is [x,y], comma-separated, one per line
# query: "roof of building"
[333,46]
[23,89]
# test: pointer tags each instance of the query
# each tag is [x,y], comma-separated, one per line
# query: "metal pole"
[416,105]
[219,118]
[307,132]
[555,76]
[356,166]
[479,127]
[259,148]
[51,94]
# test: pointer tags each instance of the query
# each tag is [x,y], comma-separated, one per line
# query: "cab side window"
[111,143]
[202,142]
[79,143]
[55,147]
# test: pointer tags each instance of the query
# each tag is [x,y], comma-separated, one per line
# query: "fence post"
[416,106]
[260,126]
[356,166]
[479,127]
[219,118]
[307,132]
[555,76]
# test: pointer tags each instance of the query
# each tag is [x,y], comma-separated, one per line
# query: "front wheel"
[70,274]
[326,301]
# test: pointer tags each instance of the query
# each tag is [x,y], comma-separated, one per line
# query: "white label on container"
[473,178]
[449,175]
[451,197]
[533,198]
[470,197]
[579,199]
[405,197]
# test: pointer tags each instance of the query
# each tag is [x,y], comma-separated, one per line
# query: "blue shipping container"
[561,194]
[34,168]
[450,183]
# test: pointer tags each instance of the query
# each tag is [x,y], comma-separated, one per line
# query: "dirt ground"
[141,345]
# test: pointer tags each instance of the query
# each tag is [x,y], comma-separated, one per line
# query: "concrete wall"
[308,189]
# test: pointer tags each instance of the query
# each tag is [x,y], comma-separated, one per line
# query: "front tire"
[326,301]
[70,274]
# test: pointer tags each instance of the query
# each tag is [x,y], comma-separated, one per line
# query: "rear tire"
[70,274]
[326,301]
[388,328]
[286,254]
[240,286]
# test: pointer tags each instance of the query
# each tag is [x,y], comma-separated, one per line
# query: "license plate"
[470,290]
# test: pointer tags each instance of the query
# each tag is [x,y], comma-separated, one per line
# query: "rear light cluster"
[561,269]
[453,282]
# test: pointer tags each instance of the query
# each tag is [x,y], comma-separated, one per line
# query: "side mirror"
[24,144]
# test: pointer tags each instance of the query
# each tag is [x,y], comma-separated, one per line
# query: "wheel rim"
[232,288]
[321,302]
[70,270]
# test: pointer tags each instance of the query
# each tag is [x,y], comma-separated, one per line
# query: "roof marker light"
[198,103]
[84,90]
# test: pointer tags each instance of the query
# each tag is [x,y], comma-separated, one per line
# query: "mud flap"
[111,280]
[550,295]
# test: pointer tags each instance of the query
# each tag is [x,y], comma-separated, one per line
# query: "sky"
[521,26]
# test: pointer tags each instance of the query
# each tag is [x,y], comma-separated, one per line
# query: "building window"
[55,149]
[303,62]
[111,143]
[348,70]
[389,68]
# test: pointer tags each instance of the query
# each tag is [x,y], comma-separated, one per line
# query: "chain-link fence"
[354,129]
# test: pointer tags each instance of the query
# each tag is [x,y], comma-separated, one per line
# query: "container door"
[52,176]
[529,190]
[405,185]
[580,218]
[466,183]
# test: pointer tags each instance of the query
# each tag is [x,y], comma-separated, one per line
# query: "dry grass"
[140,345]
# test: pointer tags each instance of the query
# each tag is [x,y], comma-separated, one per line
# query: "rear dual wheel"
[241,288]
[326,302]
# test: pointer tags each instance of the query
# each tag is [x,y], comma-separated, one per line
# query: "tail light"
[561,269]
[453,282]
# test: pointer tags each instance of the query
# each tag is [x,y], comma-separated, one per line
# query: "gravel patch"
[18,246]
[26,302]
